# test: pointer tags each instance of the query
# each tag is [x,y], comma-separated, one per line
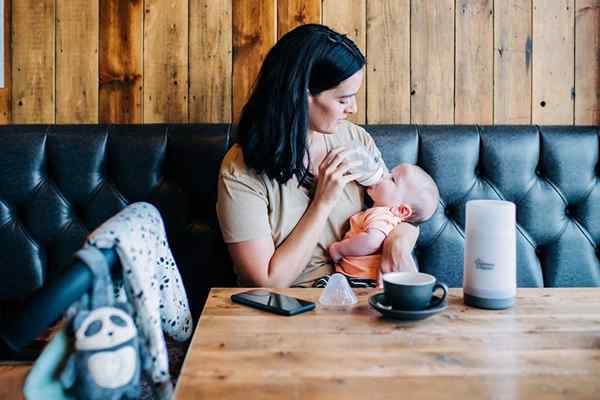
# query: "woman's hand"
[334,252]
[334,174]
[397,249]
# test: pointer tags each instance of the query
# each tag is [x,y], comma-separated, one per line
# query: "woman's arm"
[259,263]
[361,244]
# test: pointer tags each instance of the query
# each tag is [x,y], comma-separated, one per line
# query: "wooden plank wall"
[429,62]
[120,62]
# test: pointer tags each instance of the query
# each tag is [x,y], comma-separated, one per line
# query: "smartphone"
[273,302]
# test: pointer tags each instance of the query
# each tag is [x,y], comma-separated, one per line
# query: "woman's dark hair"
[273,126]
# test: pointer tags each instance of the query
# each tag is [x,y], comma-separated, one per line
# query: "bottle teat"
[371,169]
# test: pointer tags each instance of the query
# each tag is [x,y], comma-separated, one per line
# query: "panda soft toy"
[105,363]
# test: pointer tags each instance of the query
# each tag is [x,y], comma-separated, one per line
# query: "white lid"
[490,215]
[373,179]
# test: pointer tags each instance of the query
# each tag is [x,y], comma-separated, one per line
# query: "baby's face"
[392,190]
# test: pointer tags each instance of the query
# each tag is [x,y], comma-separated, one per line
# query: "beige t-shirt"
[251,206]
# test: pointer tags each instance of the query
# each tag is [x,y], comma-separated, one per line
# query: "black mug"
[412,291]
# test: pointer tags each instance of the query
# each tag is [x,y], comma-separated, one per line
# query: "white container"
[490,263]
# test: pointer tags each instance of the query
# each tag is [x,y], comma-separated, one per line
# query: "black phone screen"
[274,302]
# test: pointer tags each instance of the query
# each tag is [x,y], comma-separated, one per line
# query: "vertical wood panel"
[291,13]
[120,62]
[553,62]
[76,61]
[512,62]
[349,17]
[33,61]
[6,91]
[388,68]
[432,62]
[440,56]
[587,62]
[165,61]
[474,62]
[254,33]
[210,61]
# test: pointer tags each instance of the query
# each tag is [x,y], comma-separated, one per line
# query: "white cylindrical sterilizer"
[490,263]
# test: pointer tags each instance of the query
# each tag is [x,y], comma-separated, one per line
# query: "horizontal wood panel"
[578,387]
[548,339]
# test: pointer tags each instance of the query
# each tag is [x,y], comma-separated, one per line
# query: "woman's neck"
[317,149]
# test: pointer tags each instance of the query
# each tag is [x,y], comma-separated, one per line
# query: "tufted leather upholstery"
[59,182]
[550,173]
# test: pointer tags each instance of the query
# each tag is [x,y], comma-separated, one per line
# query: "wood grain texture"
[33,96]
[120,62]
[77,61]
[553,62]
[292,13]
[512,62]
[388,66]
[587,62]
[210,61]
[349,17]
[12,378]
[254,33]
[6,91]
[474,84]
[165,61]
[545,346]
[432,62]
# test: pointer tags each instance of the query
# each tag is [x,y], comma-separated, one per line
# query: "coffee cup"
[412,290]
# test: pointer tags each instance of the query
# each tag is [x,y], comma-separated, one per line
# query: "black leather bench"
[57,183]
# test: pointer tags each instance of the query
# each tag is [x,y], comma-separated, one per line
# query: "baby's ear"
[403,211]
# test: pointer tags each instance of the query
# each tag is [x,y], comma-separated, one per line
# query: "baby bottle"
[371,169]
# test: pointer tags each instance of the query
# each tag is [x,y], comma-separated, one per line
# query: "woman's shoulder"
[233,164]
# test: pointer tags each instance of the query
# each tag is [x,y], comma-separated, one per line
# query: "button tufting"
[538,172]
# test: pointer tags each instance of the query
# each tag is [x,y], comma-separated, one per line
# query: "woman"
[285,188]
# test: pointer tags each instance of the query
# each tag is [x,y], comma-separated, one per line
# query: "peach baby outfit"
[367,267]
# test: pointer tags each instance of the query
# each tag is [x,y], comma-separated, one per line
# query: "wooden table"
[547,346]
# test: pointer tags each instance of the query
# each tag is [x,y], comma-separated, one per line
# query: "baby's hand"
[334,252]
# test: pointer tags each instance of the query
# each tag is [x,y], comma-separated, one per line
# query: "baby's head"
[409,191]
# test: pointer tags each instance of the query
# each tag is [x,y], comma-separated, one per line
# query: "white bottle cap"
[494,216]
[373,179]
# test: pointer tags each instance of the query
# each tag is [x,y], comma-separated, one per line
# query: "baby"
[406,194]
